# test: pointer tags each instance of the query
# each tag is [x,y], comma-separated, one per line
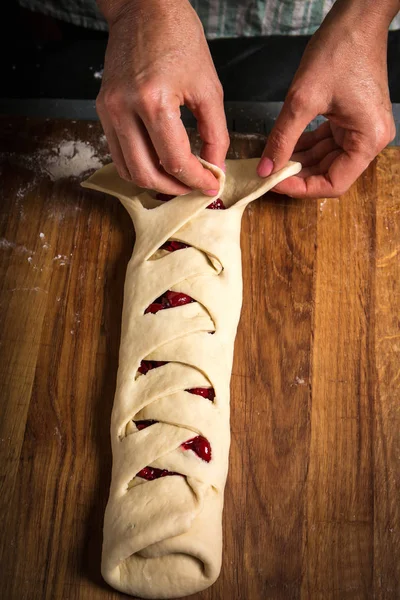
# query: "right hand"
[157,60]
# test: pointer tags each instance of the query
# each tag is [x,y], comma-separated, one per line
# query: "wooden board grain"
[312,501]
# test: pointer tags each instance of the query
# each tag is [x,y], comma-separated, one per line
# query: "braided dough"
[163,538]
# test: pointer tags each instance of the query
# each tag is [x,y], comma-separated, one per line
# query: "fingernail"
[210,192]
[265,167]
[223,167]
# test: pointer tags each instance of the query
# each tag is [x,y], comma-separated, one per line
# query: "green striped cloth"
[220,18]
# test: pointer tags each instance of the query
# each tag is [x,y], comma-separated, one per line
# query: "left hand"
[343,76]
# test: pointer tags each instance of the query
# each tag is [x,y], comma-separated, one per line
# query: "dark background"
[42,57]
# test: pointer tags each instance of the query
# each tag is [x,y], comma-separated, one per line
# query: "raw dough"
[163,538]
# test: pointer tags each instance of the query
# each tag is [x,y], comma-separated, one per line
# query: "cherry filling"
[208,393]
[151,473]
[199,445]
[143,424]
[173,245]
[168,300]
[148,365]
[216,205]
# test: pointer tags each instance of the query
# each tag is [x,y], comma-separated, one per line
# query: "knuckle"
[147,98]
[100,104]
[384,134]
[299,100]
[173,165]
[219,91]
[392,133]
[111,100]
[225,139]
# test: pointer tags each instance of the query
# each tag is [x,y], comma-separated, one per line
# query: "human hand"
[343,76]
[157,59]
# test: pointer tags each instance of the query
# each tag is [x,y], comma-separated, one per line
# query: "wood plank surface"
[312,504]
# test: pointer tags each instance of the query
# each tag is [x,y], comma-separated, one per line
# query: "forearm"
[112,9]
[370,14]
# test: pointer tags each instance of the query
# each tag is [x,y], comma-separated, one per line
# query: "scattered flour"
[46,245]
[70,159]
[5,245]
[98,74]
[64,260]
[22,191]
[322,205]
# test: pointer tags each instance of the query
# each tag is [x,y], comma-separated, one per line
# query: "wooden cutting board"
[312,504]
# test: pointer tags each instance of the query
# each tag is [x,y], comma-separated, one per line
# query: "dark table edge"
[242,117]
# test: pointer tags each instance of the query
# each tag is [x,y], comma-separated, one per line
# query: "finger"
[171,143]
[296,114]
[114,146]
[342,173]
[322,167]
[211,125]
[142,160]
[310,138]
[316,153]
[345,170]
[295,187]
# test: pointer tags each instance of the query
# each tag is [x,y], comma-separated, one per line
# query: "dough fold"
[163,538]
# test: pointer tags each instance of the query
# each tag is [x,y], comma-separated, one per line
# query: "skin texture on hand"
[343,76]
[157,60]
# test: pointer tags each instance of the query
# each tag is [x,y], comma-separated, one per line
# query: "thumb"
[294,117]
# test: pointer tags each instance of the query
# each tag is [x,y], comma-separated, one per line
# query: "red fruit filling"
[150,473]
[216,205]
[168,300]
[148,365]
[208,393]
[143,424]
[199,445]
[173,245]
